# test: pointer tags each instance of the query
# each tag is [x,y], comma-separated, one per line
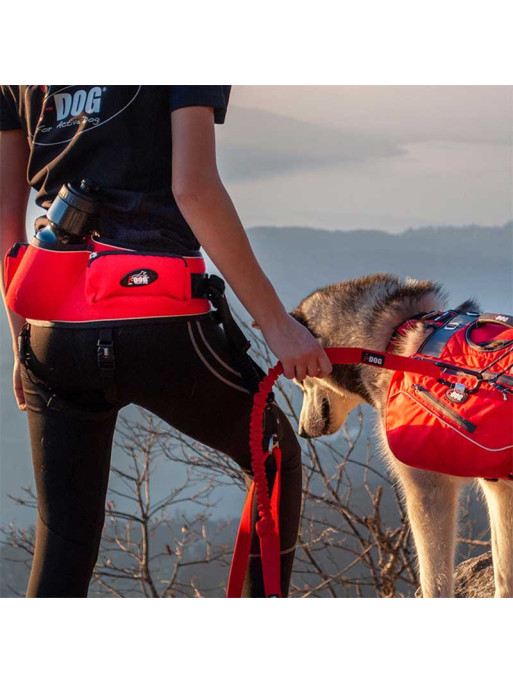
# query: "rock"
[473,578]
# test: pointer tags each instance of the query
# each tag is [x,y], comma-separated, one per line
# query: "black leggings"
[177,368]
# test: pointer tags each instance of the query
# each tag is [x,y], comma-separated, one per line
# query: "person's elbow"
[196,189]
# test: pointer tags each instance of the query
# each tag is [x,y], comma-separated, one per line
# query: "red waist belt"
[99,282]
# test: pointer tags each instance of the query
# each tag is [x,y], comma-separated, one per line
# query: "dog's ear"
[300,317]
[468,305]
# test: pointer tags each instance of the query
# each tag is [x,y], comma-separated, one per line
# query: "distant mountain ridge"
[470,261]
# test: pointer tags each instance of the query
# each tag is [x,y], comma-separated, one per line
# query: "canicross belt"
[99,282]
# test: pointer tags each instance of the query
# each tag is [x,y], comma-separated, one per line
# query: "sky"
[369,157]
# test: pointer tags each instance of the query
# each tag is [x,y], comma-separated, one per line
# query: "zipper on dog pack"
[112,252]
[446,410]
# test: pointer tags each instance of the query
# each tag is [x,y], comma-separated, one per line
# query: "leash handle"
[267,527]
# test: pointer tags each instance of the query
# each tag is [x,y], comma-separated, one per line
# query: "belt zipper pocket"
[111,252]
[443,408]
[137,273]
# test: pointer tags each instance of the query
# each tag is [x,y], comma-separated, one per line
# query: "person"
[151,150]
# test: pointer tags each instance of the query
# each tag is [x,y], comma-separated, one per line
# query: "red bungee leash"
[267,527]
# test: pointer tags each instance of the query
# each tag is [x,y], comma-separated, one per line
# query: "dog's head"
[326,401]
[325,408]
[356,313]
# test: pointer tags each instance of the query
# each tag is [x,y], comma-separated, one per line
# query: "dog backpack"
[460,423]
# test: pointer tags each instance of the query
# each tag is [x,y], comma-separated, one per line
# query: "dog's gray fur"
[363,313]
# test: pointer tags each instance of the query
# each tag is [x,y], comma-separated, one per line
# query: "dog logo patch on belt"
[143,276]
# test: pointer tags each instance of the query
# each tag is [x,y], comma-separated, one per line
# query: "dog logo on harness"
[457,394]
[144,276]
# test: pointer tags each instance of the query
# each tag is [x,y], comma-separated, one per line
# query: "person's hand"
[17,386]
[297,349]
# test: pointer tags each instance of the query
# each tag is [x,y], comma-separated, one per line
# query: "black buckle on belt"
[105,354]
[106,362]
[204,286]
[105,350]
[215,288]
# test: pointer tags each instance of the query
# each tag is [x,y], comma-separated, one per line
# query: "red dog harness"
[462,425]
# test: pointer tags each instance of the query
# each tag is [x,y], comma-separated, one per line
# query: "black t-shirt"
[120,136]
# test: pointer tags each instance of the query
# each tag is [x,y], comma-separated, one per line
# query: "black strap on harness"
[445,326]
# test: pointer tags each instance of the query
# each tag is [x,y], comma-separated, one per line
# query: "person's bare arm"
[208,209]
[14,193]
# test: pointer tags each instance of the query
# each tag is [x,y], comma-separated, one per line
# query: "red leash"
[345,355]
[267,526]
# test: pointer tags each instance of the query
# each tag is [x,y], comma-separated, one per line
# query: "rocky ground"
[473,578]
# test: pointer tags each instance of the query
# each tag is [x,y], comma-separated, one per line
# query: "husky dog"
[363,313]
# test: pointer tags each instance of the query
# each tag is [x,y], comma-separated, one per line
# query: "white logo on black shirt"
[72,110]
[79,103]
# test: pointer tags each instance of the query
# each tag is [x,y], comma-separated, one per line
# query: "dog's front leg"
[432,505]
[499,499]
